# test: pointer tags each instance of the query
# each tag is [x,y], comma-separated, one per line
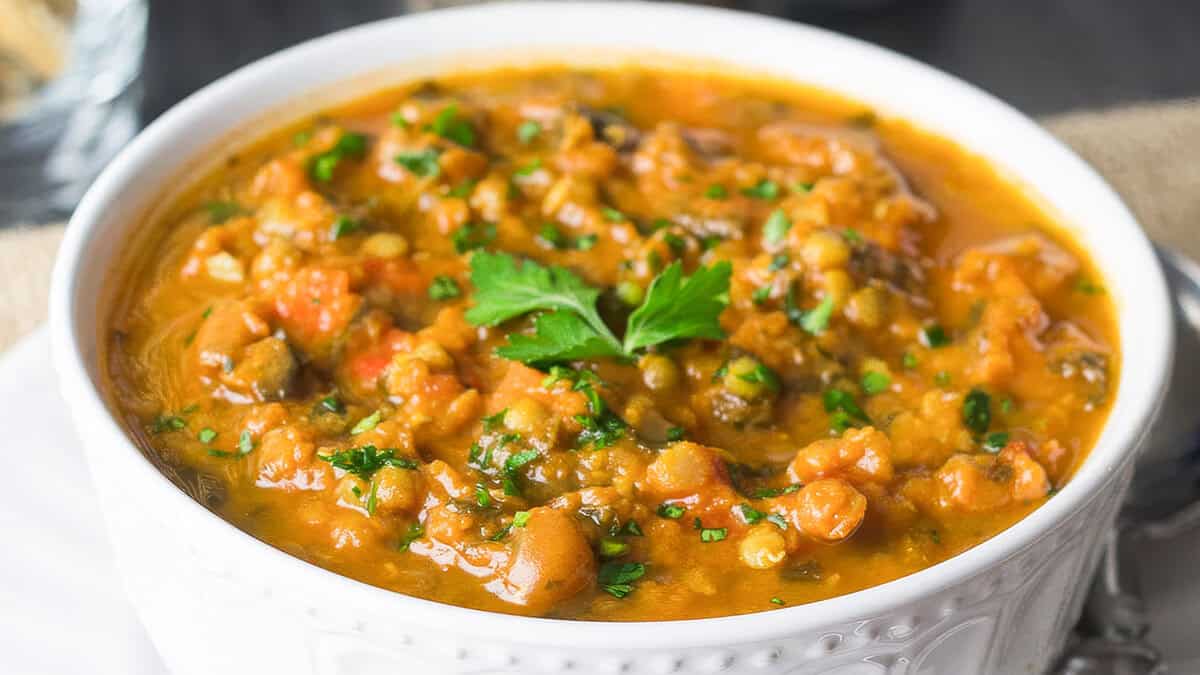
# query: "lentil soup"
[618,344]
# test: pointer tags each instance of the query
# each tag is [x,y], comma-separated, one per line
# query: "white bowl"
[216,600]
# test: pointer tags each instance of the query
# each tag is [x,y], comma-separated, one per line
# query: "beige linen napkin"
[1146,151]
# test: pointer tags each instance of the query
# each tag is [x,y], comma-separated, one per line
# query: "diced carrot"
[400,275]
[315,307]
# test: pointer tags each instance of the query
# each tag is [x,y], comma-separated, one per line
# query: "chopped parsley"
[245,446]
[711,535]
[776,227]
[366,460]
[528,131]
[750,514]
[462,190]
[520,518]
[761,295]
[1088,287]
[672,511]
[473,236]
[482,496]
[813,321]
[844,410]
[420,163]
[769,492]
[333,404]
[444,287]
[164,423]
[777,520]
[777,601]
[450,126]
[763,375]
[529,168]
[221,211]
[551,236]
[977,411]
[617,578]
[941,378]
[716,191]
[909,360]
[586,242]
[612,215]
[613,548]
[367,423]
[675,434]
[763,189]
[995,441]
[371,499]
[342,226]
[493,421]
[934,336]
[852,235]
[206,435]
[415,532]
[779,262]
[322,166]
[632,529]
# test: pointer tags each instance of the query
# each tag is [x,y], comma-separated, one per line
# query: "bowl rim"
[1112,452]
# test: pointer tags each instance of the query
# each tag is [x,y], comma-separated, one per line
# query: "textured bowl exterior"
[216,600]
[207,613]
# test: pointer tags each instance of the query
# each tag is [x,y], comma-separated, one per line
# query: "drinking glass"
[69,98]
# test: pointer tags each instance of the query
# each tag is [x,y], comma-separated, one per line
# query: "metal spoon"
[1163,502]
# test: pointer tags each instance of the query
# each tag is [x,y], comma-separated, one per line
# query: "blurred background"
[1043,56]
[79,77]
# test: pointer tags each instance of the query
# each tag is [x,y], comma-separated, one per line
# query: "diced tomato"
[315,307]
[367,365]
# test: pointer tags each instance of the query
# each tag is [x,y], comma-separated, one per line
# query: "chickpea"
[224,267]
[866,307]
[527,417]
[397,490]
[552,561]
[659,372]
[278,257]
[763,547]
[683,468]
[829,509]
[824,250]
[630,293]
[352,490]
[747,378]
[434,354]
[838,285]
[385,245]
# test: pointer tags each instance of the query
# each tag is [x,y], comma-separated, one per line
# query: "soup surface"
[620,344]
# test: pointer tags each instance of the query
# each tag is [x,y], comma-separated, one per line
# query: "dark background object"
[1042,56]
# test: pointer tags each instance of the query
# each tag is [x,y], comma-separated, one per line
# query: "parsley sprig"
[674,307]
[365,461]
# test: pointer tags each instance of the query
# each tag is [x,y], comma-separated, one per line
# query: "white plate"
[62,607]
[55,540]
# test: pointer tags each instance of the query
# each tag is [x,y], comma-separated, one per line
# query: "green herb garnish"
[673,308]
[221,211]
[473,236]
[934,336]
[342,226]
[206,435]
[617,578]
[776,227]
[977,411]
[367,423]
[450,126]
[711,535]
[352,145]
[366,460]
[763,189]
[716,191]
[528,131]
[444,288]
[672,511]
[995,441]
[420,163]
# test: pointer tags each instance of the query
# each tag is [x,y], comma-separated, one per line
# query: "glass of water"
[69,98]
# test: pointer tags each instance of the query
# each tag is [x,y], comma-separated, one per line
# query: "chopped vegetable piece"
[450,126]
[776,228]
[874,382]
[367,423]
[977,411]
[763,189]
[422,163]
[366,460]
[934,336]
[617,578]
[672,511]
[716,191]
[528,131]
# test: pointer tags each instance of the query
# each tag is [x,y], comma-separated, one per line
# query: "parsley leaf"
[616,578]
[977,411]
[528,131]
[444,287]
[321,166]
[676,308]
[422,163]
[776,227]
[219,212]
[763,189]
[450,126]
